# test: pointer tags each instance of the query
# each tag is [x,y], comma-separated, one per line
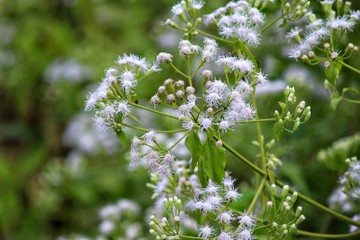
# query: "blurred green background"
[56,172]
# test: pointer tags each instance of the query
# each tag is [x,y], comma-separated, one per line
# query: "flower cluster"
[238,20]
[167,228]
[111,99]
[213,201]
[147,152]
[281,212]
[350,181]
[287,120]
[317,33]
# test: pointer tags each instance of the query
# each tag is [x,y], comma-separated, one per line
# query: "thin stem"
[215,37]
[351,101]
[189,237]
[328,236]
[178,70]
[258,120]
[272,23]
[157,131]
[349,67]
[322,207]
[153,111]
[257,195]
[281,184]
[243,159]
[258,130]
[177,142]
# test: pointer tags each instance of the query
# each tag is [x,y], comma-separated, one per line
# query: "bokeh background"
[56,171]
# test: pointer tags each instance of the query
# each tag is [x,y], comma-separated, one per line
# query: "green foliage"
[211,162]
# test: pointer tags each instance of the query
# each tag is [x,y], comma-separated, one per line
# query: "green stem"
[178,70]
[215,37]
[349,67]
[157,131]
[189,237]
[281,184]
[272,23]
[351,101]
[258,120]
[328,236]
[243,159]
[177,142]
[258,130]
[153,111]
[322,207]
[257,195]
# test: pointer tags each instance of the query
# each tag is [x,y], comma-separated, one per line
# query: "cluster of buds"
[330,55]
[296,9]
[167,227]
[282,212]
[188,15]
[350,181]
[172,92]
[290,121]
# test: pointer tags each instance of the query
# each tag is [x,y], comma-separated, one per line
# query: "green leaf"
[277,130]
[283,24]
[282,105]
[334,102]
[212,161]
[193,144]
[122,137]
[332,72]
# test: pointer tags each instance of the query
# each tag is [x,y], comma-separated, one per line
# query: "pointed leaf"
[212,161]
[334,102]
[122,137]
[193,144]
[282,105]
[277,130]
[332,72]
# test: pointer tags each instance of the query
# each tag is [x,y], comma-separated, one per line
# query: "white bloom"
[149,137]
[164,57]
[225,236]
[205,123]
[246,220]
[242,65]
[232,194]
[245,234]
[225,217]
[106,227]
[206,231]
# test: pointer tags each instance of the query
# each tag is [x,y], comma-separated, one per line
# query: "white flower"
[205,123]
[206,231]
[246,220]
[232,194]
[197,4]
[91,101]
[225,217]
[164,57]
[294,33]
[245,234]
[212,99]
[123,108]
[224,125]
[225,236]
[149,137]
[228,182]
[226,32]
[177,9]
[106,227]
[242,65]
[212,188]
[99,123]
